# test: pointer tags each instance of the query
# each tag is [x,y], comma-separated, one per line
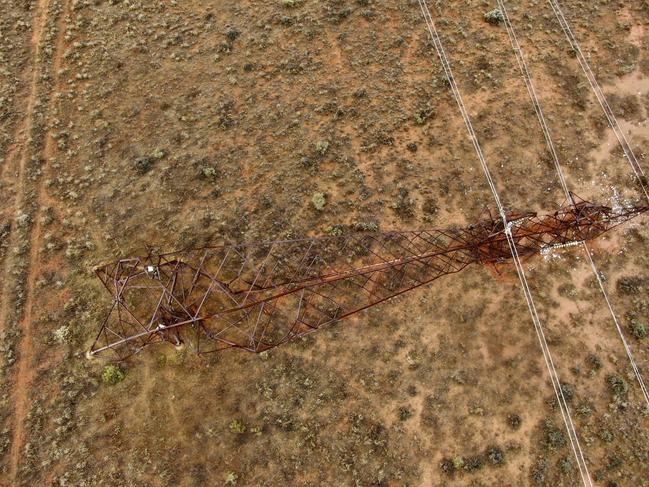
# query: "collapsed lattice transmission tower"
[256,297]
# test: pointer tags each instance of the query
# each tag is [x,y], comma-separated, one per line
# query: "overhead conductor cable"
[550,143]
[594,84]
[556,384]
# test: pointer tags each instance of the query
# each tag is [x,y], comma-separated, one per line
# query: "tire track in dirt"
[25,190]
[18,160]
[22,131]
[17,153]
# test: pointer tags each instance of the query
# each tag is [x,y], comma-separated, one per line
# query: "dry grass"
[181,123]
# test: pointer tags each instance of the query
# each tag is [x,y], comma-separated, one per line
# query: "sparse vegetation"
[186,124]
[321,147]
[638,329]
[238,427]
[514,421]
[618,385]
[112,374]
[143,164]
[555,438]
[631,285]
[319,201]
[494,17]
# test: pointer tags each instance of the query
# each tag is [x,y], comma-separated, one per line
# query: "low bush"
[494,17]
[112,374]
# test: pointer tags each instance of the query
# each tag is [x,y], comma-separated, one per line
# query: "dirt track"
[32,144]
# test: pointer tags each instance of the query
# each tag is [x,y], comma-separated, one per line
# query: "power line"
[608,112]
[636,371]
[556,384]
[535,100]
[527,77]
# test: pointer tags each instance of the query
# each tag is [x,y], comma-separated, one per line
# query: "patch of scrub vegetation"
[494,16]
[112,374]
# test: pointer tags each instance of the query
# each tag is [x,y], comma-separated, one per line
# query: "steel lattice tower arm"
[256,297]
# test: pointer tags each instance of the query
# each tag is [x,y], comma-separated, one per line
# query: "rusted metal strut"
[256,297]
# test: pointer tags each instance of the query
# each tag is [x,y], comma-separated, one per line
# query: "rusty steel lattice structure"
[255,297]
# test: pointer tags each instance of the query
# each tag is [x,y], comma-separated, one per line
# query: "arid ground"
[133,123]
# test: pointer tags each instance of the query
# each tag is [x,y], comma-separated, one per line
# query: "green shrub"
[495,455]
[568,392]
[606,436]
[554,437]
[143,164]
[112,374]
[238,427]
[404,206]
[494,17]
[63,334]
[638,329]
[159,153]
[336,230]
[319,201]
[540,472]
[422,115]
[614,463]
[514,421]
[565,465]
[321,147]
[232,34]
[584,410]
[404,413]
[366,226]
[618,385]
[209,173]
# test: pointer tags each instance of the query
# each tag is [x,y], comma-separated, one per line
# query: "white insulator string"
[554,377]
[549,141]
